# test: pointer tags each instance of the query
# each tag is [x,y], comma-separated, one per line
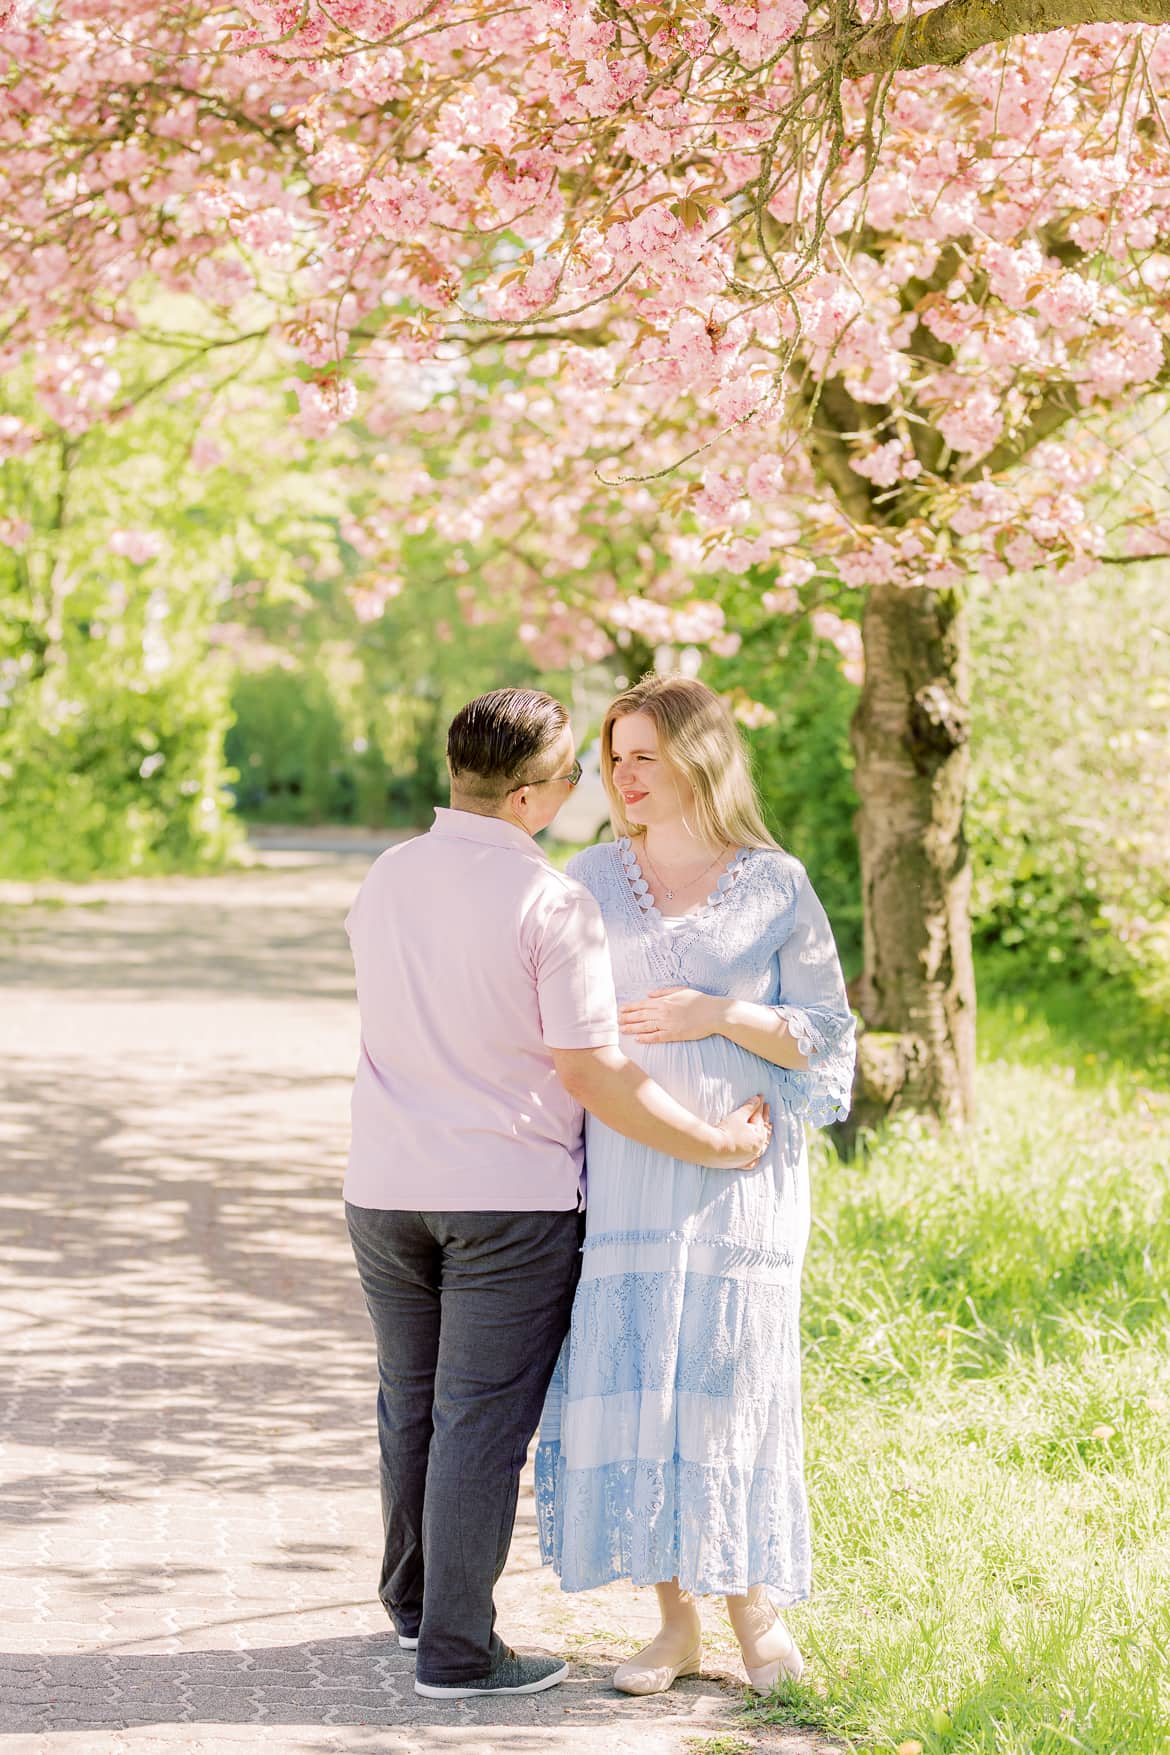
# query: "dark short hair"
[495,743]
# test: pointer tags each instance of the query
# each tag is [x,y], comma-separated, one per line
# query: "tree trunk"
[910,739]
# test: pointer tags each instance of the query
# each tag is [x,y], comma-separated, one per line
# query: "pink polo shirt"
[474,958]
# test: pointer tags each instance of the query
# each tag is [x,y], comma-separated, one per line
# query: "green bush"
[114,782]
[803,765]
[1069,817]
[355,730]
[309,747]
[134,565]
[287,745]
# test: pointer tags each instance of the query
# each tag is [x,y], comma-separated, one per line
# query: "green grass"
[1088,1032]
[987,1400]
[720,1745]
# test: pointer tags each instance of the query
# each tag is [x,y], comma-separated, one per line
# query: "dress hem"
[782,1596]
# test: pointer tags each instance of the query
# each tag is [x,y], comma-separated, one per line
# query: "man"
[488,1022]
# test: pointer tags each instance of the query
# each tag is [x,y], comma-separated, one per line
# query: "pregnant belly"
[634,1191]
[710,1077]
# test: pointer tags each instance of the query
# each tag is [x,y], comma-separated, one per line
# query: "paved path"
[186,1455]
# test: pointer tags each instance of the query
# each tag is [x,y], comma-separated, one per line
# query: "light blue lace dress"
[671,1439]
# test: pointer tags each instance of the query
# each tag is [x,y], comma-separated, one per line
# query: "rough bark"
[910,739]
[951,32]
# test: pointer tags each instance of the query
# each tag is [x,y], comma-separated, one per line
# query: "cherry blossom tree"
[639,298]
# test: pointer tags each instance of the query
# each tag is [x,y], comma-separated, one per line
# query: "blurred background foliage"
[1069,819]
[182,651]
[1070,814]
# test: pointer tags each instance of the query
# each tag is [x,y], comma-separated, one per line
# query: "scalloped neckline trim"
[639,888]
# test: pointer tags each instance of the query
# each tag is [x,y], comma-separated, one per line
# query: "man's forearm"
[628,1100]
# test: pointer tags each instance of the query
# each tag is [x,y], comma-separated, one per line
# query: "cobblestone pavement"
[186,1450]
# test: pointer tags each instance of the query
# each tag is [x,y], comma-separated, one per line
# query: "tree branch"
[953,31]
[1056,407]
[829,411]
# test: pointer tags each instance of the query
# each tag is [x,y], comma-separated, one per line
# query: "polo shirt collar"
[468,825]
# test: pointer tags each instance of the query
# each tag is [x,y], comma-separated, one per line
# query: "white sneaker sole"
[407,1644]
[436,1690]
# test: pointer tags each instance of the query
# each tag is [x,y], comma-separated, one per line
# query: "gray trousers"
[469,1312]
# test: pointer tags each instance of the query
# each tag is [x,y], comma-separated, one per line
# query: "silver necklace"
[667,892]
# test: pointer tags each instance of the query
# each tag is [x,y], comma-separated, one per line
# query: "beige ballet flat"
[764,1677]
[637,1678]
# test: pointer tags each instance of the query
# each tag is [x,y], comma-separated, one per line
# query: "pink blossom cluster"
[17,437]
[887,463]
[137,546]
[565,275]
[846,637]
[559,636]
[663,624]
[15,533]
[755,29]
[325,403]
[372,594]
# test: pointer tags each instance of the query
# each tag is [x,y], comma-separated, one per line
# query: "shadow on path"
[321,1682]
[186,942]
[177,1288]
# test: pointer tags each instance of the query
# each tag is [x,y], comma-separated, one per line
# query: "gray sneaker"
[510,1674]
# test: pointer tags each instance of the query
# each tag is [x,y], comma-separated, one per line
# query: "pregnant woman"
[670,1452]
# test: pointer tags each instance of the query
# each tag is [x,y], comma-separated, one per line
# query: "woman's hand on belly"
[672,1014]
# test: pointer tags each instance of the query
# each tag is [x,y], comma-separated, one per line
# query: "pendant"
[670,895]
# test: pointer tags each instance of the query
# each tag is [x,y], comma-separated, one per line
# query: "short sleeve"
[814,1005]
[574,978]
[355,912]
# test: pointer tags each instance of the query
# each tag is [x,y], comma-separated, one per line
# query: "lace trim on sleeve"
[830,1066]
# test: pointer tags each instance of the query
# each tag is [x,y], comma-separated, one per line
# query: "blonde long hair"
[696,733]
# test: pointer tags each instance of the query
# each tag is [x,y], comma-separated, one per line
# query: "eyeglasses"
[573,776]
